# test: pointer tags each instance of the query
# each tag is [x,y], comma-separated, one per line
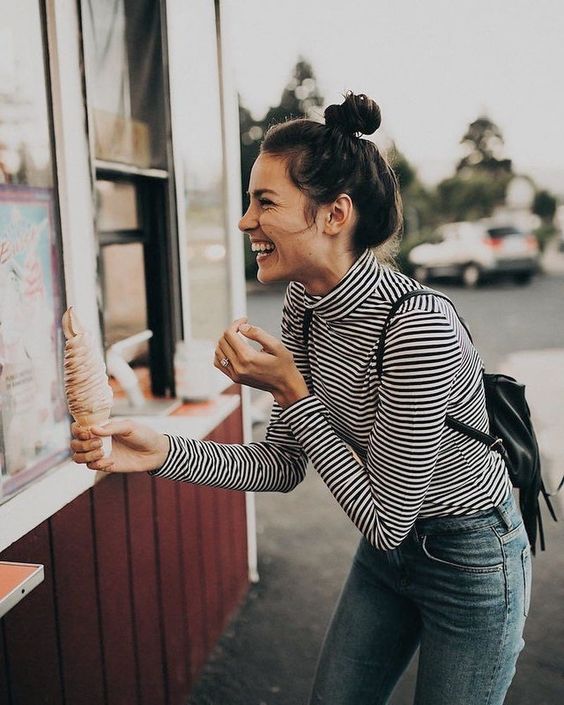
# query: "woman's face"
[290,247]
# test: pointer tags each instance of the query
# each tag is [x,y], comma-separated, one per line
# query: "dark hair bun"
[358,114]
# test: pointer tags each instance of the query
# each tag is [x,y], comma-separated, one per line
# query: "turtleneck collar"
[354,287]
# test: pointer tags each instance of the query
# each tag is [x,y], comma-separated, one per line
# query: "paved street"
[268,654]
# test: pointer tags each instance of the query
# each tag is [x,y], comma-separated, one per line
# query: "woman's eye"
[265,202]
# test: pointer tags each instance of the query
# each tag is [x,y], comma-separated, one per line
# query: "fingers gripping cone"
[89,396]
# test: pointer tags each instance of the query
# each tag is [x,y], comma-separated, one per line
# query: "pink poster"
[34,427]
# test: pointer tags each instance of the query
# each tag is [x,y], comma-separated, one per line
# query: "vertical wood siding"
[73,556]
[147,620]
[141,577]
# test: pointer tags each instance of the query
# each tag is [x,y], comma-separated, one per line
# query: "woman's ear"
[338,215]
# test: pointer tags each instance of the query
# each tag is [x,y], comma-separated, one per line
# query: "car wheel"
[522,278]
[471,275]
[421,274]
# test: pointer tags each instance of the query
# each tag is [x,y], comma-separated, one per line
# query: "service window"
[127,98]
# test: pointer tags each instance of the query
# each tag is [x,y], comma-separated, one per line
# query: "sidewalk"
[552,260]
[542,372]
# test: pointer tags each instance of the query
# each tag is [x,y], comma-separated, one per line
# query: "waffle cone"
[99,418]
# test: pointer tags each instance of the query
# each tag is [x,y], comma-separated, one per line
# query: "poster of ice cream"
[34,427]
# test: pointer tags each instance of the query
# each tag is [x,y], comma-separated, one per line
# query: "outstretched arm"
[276,464]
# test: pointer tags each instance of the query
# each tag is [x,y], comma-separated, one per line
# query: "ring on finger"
[224,362]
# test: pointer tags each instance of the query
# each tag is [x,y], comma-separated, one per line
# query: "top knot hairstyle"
[358,115]
[326,160]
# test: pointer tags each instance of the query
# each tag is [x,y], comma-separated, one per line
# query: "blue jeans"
[457,587]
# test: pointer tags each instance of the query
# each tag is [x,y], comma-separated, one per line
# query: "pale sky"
[433,66]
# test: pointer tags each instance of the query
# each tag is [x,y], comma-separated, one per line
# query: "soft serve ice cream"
[89,396]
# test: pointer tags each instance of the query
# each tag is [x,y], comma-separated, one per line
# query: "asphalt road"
[267,655]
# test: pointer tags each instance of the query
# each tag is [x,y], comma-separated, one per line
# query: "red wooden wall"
[141,576]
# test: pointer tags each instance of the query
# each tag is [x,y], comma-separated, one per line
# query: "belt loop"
[504,514]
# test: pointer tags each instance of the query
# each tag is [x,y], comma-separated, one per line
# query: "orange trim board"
[16,581]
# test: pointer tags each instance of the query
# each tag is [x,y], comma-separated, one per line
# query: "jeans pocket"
[515,533]
[527,576]
[471,552]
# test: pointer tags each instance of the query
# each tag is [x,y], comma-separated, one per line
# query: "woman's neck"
[329,274]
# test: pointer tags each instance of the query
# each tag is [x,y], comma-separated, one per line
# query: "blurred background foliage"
[477,186]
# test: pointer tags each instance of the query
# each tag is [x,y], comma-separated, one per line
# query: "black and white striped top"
[380,445]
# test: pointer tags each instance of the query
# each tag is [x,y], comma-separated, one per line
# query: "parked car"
[477,251]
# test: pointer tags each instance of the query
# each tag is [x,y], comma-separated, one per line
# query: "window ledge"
[51,492]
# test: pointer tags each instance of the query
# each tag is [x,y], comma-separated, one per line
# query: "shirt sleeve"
[277,464]
[383,495]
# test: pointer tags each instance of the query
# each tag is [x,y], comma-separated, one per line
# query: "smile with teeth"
[263,247]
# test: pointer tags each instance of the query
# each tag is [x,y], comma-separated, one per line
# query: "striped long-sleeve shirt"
[380,444]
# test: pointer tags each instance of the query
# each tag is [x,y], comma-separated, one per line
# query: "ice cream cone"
[100,418]
[89,395]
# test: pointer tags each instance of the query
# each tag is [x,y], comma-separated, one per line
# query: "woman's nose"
[248,221]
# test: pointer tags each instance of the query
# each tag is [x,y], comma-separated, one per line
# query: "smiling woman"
[301,206]
[444,560]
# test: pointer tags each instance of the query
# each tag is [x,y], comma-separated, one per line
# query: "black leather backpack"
[511,432]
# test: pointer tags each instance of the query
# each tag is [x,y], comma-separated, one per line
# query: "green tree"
[403,169]
[481,177]
[484,144]
[544,205]
[419,207]
[418,201]
[469,197]
[300,97]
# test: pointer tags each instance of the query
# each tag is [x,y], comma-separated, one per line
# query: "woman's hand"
[135,447]
[272,368]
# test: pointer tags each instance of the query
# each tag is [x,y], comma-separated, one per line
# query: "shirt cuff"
[171,460]
[300,412]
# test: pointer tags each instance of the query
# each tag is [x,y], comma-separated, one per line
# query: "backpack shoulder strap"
[306,323]
[491,441]
[395,306]
[485,438]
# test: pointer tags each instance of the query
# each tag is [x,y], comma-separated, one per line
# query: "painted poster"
[34,426]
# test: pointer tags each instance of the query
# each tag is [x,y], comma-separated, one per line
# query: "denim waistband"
[506,512]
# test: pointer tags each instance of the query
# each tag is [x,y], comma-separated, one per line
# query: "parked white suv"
[477,251]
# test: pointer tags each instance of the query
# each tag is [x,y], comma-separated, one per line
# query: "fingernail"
[245,327]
